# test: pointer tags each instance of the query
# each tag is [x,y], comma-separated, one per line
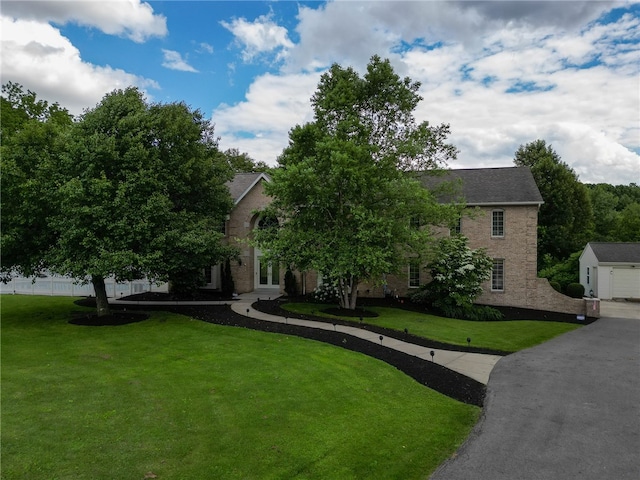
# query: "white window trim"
[502,275]
[493,223]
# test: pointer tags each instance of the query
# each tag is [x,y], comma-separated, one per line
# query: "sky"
[500,73]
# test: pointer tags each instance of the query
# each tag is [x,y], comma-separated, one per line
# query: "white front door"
[267,275]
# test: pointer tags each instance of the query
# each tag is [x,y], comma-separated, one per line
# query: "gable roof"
[616,252]
[489,186]
[242,183]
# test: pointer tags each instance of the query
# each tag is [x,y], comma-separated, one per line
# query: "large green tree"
[33,143]
[136,190]
[615,212]
[565,221]
[345,192]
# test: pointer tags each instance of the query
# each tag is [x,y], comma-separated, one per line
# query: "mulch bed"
[430,374]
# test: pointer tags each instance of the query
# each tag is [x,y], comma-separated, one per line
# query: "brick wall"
[241,222]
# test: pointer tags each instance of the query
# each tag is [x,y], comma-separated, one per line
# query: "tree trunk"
[348,293]
[102,303]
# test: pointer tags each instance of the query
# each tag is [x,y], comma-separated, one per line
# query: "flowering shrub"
[457,273]
[328,292]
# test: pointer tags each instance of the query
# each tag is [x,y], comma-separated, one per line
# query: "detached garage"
[611,270]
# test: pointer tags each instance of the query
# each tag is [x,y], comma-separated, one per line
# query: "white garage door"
[626,282]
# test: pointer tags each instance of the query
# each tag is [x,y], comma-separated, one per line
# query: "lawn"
[508,336]
[176,398]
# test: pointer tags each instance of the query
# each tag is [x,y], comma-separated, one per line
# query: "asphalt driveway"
[567,409]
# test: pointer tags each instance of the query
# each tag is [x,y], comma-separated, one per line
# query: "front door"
[267,274]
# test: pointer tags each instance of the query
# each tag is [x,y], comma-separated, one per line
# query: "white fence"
[64,286]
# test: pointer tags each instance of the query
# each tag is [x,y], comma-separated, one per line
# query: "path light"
[381,337]
[247,312]
[433,354]
[406,331]
[286,319]
[360,319]
[334,327]
[468,341]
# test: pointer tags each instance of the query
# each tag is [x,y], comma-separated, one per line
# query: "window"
[457,227]
[414,274]
[497,223]
[588,282]
[497,275]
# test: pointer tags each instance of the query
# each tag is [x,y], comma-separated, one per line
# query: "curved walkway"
[566,409]
[474,365]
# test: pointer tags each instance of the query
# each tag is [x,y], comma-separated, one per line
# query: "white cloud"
[37,56]
[259,36]
[467,55]
[174,61]
[128,18]
[205,47]
[260,125]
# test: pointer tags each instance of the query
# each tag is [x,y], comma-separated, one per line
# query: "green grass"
[184,399]
[508,336]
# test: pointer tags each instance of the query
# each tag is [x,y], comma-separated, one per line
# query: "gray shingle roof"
[616,252]
[241,182]
[489,186]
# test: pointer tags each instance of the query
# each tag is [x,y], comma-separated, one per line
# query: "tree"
[457,274]
[345,190]
[613,211]
[243,163]
[629,224]
[33,143]
[137,191]
[565,221]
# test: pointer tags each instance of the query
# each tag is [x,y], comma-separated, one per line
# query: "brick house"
[505,202]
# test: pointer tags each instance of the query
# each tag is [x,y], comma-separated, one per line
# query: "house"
[506,203]
[611,270]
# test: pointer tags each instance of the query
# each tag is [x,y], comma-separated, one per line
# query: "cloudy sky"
[501,73]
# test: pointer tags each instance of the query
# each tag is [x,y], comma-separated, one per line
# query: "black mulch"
[428,373]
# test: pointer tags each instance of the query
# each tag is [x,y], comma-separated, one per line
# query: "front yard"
[172,397]
[506,336]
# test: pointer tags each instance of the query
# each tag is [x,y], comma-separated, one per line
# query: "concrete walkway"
[474,365]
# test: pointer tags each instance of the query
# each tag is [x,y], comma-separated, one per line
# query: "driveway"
[566,409]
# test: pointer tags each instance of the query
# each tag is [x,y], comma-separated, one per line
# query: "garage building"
[611,270]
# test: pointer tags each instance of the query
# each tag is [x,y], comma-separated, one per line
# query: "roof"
[242,183]
[489,186]
[616,252]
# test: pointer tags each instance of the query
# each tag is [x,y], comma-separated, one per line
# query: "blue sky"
[501,73]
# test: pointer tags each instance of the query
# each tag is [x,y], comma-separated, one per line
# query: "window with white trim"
[414,274]
[457,227]
[497,223]
[497,275]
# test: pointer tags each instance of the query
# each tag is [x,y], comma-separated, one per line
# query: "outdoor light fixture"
[334,327]
[247,312]
[468,341]
[433,354]
[406,331]
[381,337]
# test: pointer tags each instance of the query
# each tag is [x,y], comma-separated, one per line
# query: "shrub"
[556,286]
[328,292]
[290,286]
[458,273]
[473,312]
[227,283]
[575,290]
[564,272]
